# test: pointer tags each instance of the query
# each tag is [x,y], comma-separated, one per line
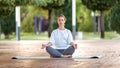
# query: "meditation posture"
[62,39]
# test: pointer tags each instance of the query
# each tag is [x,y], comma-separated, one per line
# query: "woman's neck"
[61,27]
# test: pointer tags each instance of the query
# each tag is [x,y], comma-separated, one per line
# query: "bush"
[28,24]
[84,18]
[8,25]
[107,23]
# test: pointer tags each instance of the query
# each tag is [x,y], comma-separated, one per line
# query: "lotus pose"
[62,39]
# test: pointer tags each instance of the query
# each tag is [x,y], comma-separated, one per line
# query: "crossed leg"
[67,53]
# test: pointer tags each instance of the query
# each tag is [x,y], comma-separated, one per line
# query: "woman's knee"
[72,48]
[48,48]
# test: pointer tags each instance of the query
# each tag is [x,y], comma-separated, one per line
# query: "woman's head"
[61,19]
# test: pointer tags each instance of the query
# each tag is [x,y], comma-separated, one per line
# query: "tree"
[28,2]
[6,7]
[7,14]
[114,18]
[51,5]
[100,5]
[8,24]
[9,5]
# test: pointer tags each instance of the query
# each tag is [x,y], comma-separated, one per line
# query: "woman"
[62,39]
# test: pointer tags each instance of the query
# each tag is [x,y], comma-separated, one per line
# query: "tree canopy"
[99,4]
[6,7]
[114,18]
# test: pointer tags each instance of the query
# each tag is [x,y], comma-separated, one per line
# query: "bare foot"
[52,56]
[66,56]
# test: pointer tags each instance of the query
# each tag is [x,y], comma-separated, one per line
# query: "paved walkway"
[108,49]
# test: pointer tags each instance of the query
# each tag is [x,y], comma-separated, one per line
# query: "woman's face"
[61,21]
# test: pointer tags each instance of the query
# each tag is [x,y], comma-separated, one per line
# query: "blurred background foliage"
[27,15]
[50,9]
[84,18]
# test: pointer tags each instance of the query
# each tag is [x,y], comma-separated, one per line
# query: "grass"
[90,35]
[28,36]
[108,35]
[32,36]
[44,36]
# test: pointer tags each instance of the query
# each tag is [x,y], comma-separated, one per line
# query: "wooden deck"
[108,49]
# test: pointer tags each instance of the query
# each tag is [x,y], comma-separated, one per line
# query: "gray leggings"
[58,52]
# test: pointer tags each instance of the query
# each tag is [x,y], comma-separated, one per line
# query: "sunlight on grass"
[108,35]
[44,36]
[90,35]
[32,36]
[112,35]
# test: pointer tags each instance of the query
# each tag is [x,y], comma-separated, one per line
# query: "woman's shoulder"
[68,30]
[55,30]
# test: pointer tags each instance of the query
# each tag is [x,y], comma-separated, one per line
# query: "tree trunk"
[0,30]
[102,24]
[94,17]
[99,24]
[50,24]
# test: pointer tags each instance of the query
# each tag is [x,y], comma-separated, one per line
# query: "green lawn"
[44,36]
[32,36]
[108,35]
[29,36]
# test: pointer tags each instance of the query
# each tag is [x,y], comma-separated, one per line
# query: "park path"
[108,49]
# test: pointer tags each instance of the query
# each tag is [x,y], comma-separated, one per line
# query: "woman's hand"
[74,45]
[43,46]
